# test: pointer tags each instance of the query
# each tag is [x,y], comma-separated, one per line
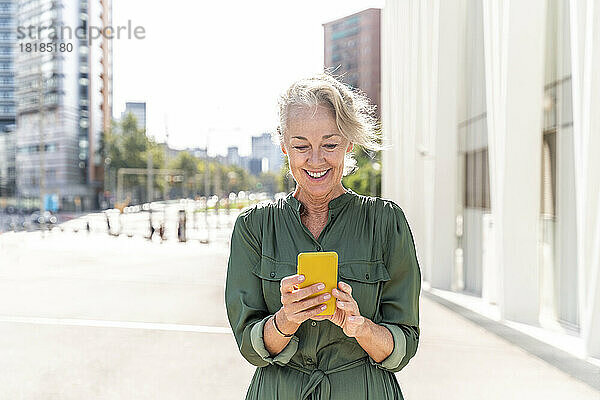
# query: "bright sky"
[216,68]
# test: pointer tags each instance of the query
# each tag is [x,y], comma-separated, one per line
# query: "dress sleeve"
[244,300]
[399,305]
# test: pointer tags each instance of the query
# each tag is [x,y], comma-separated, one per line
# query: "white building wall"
[420,101]
[585,58]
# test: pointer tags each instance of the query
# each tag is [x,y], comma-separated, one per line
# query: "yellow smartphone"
[320,267]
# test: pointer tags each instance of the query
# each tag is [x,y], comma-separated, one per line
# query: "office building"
[263,148]
[198,152]
[138,109]
[255,166]
[352,50]
[61,112]
[7,98]
[233,156]
[492,118]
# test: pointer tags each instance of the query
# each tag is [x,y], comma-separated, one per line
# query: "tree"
[130,148]
[361,180]
[285,180]
[267,182]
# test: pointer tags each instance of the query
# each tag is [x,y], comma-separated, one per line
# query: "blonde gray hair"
[354,115]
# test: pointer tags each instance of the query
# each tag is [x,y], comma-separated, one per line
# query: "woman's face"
[315,149]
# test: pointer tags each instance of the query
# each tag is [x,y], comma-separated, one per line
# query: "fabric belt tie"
[318,385]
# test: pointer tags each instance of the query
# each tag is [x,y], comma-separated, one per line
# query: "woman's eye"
[331,146]
[301,147]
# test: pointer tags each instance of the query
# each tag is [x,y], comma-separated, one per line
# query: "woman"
[374,331]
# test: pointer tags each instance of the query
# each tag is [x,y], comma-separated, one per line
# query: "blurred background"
[133,133]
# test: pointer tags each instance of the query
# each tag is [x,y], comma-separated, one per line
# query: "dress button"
[313,323]
[309,361]
[272,274]
[367,276]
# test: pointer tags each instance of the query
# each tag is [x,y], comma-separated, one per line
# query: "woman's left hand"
[347,315]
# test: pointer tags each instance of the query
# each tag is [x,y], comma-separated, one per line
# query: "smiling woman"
[374,330]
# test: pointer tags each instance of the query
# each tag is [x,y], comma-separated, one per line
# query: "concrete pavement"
[88,316]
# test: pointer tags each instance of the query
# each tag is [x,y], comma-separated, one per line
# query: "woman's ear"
[281,144]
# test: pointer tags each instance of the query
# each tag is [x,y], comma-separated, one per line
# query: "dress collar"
[335,203]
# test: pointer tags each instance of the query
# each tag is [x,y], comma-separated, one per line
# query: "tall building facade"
[7,98]
[233,156]
[352,50]
[138,109]
[269,154]
[491,111]
[61,110]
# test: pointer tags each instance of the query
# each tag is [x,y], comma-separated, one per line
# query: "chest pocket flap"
[364,271]
[272,270]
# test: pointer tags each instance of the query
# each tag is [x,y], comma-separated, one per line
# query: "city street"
[90,316]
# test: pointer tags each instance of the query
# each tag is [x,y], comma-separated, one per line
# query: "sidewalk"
[458,359]
[97,317]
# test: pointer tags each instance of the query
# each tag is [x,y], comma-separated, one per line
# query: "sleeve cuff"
[399,351]
[258,343]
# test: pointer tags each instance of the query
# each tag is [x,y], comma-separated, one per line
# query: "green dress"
[376,256]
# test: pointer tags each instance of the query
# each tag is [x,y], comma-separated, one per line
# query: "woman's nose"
[315,157]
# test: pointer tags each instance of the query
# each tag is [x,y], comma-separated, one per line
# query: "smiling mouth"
[317,175]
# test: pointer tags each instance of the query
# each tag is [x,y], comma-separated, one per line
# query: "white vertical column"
[514,57]
[585,59]
[389,168]
[405,75]
[419,73]
[393,26]
[444,118]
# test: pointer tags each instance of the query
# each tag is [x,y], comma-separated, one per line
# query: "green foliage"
[366,180]
[285,180]
[267,182]
[127,149]
[186,162]
[126,146]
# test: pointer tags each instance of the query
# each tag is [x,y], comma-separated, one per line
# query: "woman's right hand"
[296,307]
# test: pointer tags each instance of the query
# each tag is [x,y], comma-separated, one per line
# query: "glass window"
[477,180]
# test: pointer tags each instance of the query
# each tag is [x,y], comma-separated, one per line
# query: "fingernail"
[301,278]
[341,305]
[321,286]
[326,296]
[335,292]
[323,307]
[351,318]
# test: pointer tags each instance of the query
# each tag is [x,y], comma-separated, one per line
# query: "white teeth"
[317,174]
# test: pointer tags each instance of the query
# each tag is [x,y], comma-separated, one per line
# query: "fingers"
[344,287]
[345,301]
[307,314]
[305,304]
[298,305]
[312,312]
[344,293]
[297,295]
[348,306]
[288,283]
